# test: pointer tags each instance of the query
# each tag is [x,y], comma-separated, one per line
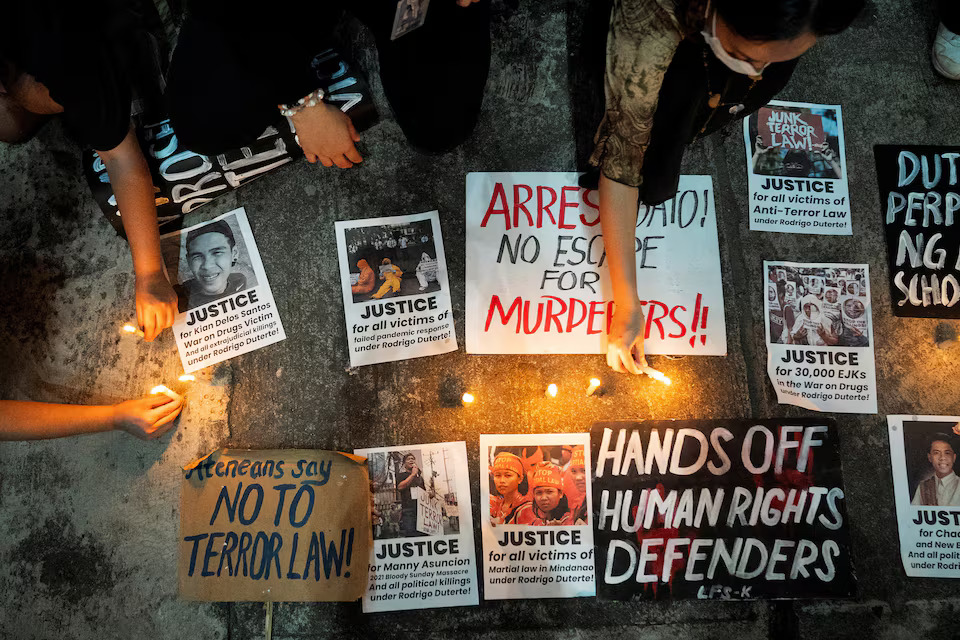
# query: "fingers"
[327,162]
[353,155]
[311,157]
[161,419]
[157,400]
[150,325]
[140,314]
[342,162]
[353,131]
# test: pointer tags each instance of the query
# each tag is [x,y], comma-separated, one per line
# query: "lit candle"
[129,328]
[594,385]
[170,393]
[657,375]
[187,377]
[552,390]
[468,398]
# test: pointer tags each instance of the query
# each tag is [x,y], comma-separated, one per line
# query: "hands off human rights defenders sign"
[720,509]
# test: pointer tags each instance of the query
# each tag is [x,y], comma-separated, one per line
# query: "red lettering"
[504,211]
[573,306]
[554,317]
[495,305]
[541,208]
[564,205]
[673,316]
[652,318]
[518,205]
[526,316]
[596,309]
[609,313]
[592,205]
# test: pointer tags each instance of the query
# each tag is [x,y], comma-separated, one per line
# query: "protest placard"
[277,526]
[396,298]
[423,555]
[225,305]
[920,200]
[796,169]
[820,340]
[720,509]
[537,278]
[537,531]
[926,488]
[184,180]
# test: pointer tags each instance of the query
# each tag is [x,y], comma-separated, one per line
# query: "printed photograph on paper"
[796,169]
[423,555]
[536,516]
[537,485]
[797,142]
[414,492]
[410,15]
[930,456]
[391,260]
[225,305]
[818,306]
[208,263]
[396,297]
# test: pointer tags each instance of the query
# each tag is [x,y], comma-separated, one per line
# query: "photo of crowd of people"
[815,155]
[818,306]
[207,262]
[930,450]
[401,479]
[389,261]
[538,485]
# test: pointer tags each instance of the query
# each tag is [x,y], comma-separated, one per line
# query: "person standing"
[406,480]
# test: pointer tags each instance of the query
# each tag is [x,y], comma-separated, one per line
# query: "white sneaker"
[946,53]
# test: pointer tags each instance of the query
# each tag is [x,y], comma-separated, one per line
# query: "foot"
[946,53]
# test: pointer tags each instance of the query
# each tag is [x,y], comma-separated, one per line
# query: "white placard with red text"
[537,275]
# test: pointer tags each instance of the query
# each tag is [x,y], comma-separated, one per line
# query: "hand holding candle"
[149,417]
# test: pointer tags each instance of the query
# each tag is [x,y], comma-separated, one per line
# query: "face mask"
[737,66]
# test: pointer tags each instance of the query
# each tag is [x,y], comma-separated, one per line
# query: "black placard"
[920,203]
[720,509]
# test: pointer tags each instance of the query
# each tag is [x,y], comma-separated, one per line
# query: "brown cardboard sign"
[286,525]
[790,129]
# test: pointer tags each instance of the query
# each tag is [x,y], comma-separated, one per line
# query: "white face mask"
[735,65]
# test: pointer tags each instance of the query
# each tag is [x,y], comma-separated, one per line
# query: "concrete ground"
[88,527]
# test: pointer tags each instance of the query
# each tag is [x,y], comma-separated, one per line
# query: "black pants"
[949,14]
[433,77]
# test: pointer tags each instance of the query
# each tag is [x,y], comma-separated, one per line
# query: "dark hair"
[408,455]
[523,488]
[563,506]
[220,226]
[765,20]
[940,437]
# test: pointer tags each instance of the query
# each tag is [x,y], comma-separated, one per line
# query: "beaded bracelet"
[312,99]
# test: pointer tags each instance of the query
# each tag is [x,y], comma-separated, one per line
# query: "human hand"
[326,134]
[759,146]
[147,418]
[625,342]
[156,304]
[466,3]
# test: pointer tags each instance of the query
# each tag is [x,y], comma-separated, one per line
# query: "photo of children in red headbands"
[538,485]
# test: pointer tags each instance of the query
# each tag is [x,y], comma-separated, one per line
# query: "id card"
[411,14]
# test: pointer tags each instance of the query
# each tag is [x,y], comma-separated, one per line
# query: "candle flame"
[187,377]
[160,388]
[552,390]
[468,398]
[129,328]
[657,375]
[594,385]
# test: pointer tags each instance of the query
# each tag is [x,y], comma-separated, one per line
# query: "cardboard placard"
[920,198]
[720,509]
[288,525]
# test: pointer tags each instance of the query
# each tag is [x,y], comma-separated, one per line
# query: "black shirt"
[406,502]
